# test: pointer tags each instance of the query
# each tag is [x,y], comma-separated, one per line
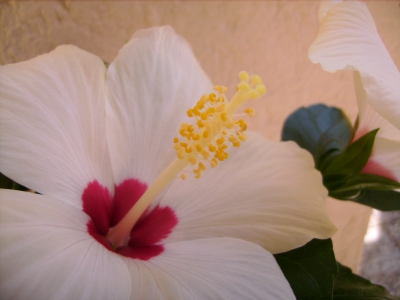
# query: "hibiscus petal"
[385,159]
[324,8]
[348,39]
[46,253]
[266,192]
[220,268]
[52,123]
[151,84]
[369,119]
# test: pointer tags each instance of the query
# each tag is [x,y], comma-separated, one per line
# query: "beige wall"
[270,38]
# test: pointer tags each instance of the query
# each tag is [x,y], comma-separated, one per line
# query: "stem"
[119,234]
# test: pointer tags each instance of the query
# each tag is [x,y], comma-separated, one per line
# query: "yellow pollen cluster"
[215,124]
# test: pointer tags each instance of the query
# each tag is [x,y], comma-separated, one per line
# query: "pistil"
[203,141]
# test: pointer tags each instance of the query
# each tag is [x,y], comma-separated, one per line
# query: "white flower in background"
[348,40]
[93,140]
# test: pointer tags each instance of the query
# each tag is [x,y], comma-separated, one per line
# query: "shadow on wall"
[380,261]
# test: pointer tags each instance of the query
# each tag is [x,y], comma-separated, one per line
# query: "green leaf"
[382,200]
[352,160]
[7,183]
[324,131]
[310,269]
[351,187]
[332,143]
[349,286]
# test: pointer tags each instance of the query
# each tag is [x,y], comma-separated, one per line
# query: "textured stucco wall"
[270,38]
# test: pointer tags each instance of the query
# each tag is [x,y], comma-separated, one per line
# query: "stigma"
[216,126]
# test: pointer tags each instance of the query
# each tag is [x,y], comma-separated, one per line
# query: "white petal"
[46,253]
[386,155]
[348,39]
[53,123]
[152,83]
[325,7]
[369,119]
[220,268]
[266,192]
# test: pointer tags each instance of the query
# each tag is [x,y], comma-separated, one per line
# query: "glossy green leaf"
[382,200]
[7,183]
[353,159]
[351,187]
[332,143]
[310,269]
[349,286]
[324,131]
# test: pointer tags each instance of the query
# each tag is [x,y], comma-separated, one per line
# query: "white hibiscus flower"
[348,40]
[93,140]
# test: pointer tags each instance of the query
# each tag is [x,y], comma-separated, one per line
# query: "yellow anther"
[210,111]
[199,148]
[182,132]
[261,89]
[180,153]
[212,97]
[212,148]
[192,160]
[220,141]
[237,144]
[254,94]
[255,79]
[244,86]
[197,172]
[242,123]
[204,99]
[215,124]
[196,111]
[202,166]
[232,139]
[205,154]
[220,89]
[183,176]
[214,163]
[224,116]
[244,76]
[242,137]
[200,105]
[250,112]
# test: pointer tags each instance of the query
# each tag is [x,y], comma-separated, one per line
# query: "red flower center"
[105,211]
